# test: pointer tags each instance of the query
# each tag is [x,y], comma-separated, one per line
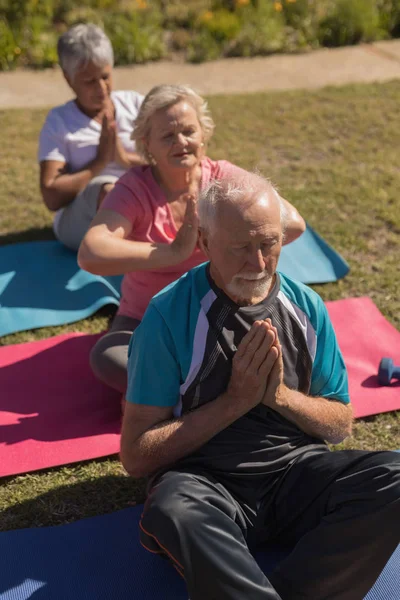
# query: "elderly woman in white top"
[85,145]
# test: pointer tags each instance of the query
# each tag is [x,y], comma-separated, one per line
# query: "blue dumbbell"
[387,371]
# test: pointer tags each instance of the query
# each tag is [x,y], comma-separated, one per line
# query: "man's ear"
[203,241]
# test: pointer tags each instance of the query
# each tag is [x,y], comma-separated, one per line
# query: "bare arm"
[126,159]
[106,251]
[295,223]
[59,187]
[150,441]
[326,419]
[329,420]
[131,159]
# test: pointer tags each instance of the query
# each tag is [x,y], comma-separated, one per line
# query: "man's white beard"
[250,287]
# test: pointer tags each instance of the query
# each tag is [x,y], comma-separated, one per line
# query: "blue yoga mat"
[41,284]
[311,260]
[101,558]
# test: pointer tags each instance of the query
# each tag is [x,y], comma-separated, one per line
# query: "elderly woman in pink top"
[147,226]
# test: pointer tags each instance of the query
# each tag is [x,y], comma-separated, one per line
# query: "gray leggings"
[72,222]
[109,357]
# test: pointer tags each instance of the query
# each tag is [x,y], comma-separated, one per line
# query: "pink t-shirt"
[137,197]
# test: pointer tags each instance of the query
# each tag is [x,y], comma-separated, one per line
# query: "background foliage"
[143,30]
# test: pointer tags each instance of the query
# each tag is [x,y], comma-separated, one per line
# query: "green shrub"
[302,18]
[389,12]
[134,39]
[350,23]
[38,44]
[180,39]
[182,13]
[17,12]
[9,51]
[213,31]
[67,12]
[203,47]
[83,14]
[222,24]
[262,31]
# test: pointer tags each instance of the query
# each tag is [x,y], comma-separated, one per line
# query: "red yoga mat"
[52,409]
[365,337]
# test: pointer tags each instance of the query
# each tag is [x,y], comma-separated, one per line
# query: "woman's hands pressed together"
[107,145]
[186,239]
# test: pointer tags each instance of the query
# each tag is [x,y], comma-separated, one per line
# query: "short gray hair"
[163,96]
[82,44]
[233,191]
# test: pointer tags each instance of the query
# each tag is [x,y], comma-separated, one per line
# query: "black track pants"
[340,511]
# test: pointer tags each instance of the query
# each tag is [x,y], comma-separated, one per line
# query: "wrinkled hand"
[186,239]
[252,364]
[275,383]
[106,149]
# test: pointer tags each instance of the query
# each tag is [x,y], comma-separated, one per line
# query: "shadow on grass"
[75,501]
[28,235]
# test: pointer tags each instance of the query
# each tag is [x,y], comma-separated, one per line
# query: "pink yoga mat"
[52,409]
[365,337]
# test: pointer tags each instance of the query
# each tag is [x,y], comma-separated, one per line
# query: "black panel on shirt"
[228,323]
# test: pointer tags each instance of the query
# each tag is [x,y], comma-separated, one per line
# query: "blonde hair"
[163,96]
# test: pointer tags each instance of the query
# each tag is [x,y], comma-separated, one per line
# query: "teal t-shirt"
[181,354]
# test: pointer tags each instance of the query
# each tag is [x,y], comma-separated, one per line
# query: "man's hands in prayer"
[253,364]
[275,385]
[319,417]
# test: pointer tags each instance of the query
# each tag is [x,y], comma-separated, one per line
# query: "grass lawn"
[334,153]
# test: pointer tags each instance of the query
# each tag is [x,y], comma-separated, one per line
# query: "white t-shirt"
[70,136]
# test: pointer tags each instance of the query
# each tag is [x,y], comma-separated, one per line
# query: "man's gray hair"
[163,96]
[233,191]
[83,44]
